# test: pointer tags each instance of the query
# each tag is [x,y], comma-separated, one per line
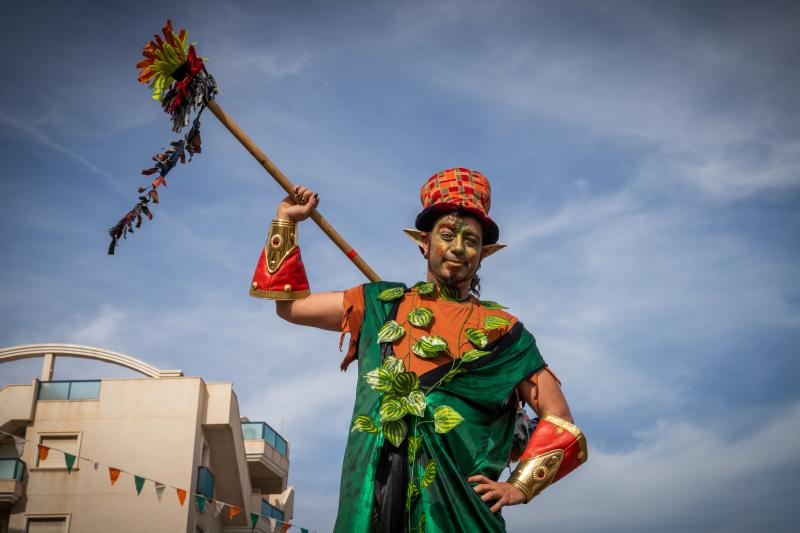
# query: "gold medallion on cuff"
[282,240]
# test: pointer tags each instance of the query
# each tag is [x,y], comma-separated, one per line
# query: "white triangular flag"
[159,490]
[218,505]
[20,444]
[272,524]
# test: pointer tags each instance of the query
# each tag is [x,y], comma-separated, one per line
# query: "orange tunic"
[450,321]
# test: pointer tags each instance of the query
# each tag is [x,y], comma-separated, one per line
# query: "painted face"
[454,250]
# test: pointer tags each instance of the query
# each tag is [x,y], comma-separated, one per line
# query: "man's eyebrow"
[466,229]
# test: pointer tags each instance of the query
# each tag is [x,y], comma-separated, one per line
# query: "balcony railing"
[12,468]
[271,511]
[262,431]
[69,390]
[205,482]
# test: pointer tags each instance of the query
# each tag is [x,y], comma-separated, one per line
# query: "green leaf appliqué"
[395,431]
[429,475]
[429,347]
[494,322]
[452,374]
[393,364]
[488,304]
[391,294]
[425,288]
[477,337]
[421,526]
[449,293]
[392,409]
[413,447]
[405,382]
[471,355]
[380,379]
[415,403]
[411,493]
[420,317]
[364,423]
[445,418]
[390,332]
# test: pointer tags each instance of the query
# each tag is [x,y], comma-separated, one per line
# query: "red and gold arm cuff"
[280,273]
[556,448]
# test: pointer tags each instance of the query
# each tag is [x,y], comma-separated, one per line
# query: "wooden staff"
[284,182]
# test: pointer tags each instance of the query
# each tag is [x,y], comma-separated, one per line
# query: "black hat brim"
[428,217]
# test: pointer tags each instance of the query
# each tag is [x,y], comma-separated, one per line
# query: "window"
[69,443]
[12,468]
[271,511]
[205,482]
[69,390]
[47,524]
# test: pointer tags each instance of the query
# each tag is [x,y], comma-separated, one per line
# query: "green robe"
[376,474]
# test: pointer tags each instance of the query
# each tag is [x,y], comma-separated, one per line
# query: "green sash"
[481,444]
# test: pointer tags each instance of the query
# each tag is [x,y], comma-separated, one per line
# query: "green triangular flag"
[303,530]
[70,460]
[139,481]
[253,520]
[201,503]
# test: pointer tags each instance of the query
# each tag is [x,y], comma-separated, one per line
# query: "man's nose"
[458,244]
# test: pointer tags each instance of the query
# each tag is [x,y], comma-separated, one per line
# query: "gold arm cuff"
[576,432]
[532,476]
[279,295]
[281,241]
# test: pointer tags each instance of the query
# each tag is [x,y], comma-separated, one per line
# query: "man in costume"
[441,374]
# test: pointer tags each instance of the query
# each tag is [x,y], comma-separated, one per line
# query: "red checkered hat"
[458,189]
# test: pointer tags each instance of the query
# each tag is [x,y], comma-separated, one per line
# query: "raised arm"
[320,310]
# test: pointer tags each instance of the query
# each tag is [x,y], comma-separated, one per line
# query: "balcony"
[263,431]
[267,457]
[69,390]
[205,482]
[271,511]
[12,478]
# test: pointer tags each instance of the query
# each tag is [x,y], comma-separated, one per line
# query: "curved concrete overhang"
[28,351]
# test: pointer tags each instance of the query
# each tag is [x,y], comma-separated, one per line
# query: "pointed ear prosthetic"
[489,249]
[419,238]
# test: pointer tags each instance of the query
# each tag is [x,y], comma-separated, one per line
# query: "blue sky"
[645,163]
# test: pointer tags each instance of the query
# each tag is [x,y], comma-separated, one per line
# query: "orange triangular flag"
[43,451]
[113,473]
[233,511]
[286,526]
[181,495]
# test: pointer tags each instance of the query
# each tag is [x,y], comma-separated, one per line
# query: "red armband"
[556,448]
[280,273]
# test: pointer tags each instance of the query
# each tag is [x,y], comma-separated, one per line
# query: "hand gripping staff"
[184,87]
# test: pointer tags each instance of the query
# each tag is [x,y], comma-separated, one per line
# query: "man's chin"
[451,279]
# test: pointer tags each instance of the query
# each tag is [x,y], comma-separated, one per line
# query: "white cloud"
[316,406]
[270,63]
[45,140]
[102,330]
[662,101]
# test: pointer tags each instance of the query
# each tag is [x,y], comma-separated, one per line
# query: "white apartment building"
[164,426]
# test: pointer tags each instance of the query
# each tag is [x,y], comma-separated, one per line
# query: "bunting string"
[275,525]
